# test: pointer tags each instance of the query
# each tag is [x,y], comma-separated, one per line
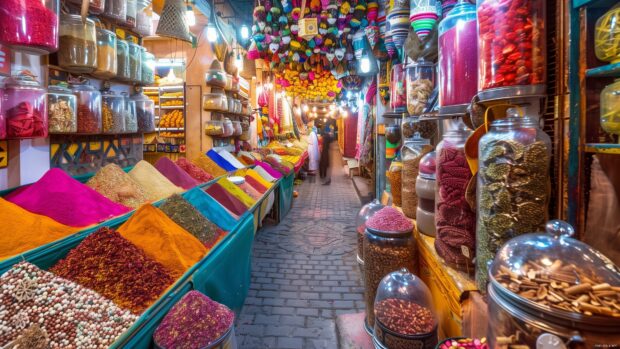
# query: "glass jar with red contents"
[360,222]
[457,70]
[2,120]
[398,97]
[30,26]
[455,220]
[511,42]
[24,105]
[89,108]
[95,7]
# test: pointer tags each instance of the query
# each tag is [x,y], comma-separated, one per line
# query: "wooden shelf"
[169,107]
[610,70]
[602,148]
[170,129]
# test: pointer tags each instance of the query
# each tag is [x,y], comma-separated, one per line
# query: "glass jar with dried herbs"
[413,150]
[61,109]
[135,62]
[513,185]
[122,59]
[88,110]
[130,115]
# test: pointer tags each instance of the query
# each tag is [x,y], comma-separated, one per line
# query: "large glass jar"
[228,128]
[95,7]
[405,316]
[122,58]
[610,108]
[89,109]
[512,48]
[131,115]
[145,112]
[148,68]
[144,23]
[395,177]
[606,34]
[135,62]
[398,90]
[413,150]
[132,13]
[513,185]
[420,85]
[78,44]
[384,252]
[360,223]
[106,54]
[458,71]
[548,288]
[31,26]
[62,110]
[113,110]
[455,219]
[24,105]
[392,139]
[116,10]
[412,125]
[425,188]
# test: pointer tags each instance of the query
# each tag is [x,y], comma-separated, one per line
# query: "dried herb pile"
[117,269]
[156,185]
[194,322]
[188,217]
[73,316]
[209,166]
[115,184]
[196,172]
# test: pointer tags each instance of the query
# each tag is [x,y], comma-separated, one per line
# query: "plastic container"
[556,281]
[458,72]
[228,127]
[78,44]
[512,47]
[454,217]
[237,128]
[216,76]
[214,101]
[95,7]
[106,54]
[131,115]
[135,63]
[513,185]
[405,316]
[145,112]
[148,68]
[420,85]
[131,15]
[606,36]
[214,128]
[360,222]
[610,108]
[113,110]
[116,10]
[122,58]
[413,151]
[144,23]
[398,90]
[24,106]
[89,109]
[62,110]
[425,188]
[30,26]
[384,252]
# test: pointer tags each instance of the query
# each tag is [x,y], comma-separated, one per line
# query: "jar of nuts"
[404,312]
[360,222]
[549,287]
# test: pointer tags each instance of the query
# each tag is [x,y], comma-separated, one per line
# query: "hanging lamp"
[173,22]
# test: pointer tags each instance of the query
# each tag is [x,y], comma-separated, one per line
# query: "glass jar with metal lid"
[548,290]
[78,44]
[113,110]
[420,85]
[135,62]
[106,54]
[122,58]
[115,10]
[89,108]
[24,105]
[62,110]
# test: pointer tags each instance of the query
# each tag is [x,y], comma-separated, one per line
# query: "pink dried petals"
[389,219]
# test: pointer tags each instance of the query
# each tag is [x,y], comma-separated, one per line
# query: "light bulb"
[365,64]
[190,16]
[306,108]
[211,32]
[314,109]
[245,32]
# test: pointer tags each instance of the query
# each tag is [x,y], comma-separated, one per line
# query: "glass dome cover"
[557,275]
[365,213]
[428,165]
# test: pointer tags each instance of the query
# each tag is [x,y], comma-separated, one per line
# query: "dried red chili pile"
[117,269]
[39,28]
[404,317]
[196,172]
[455,220]
[389,219]
[194,322]
[25,121]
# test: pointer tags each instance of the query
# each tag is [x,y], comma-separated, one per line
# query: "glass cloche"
[360,222]
[404,313]
[553,285]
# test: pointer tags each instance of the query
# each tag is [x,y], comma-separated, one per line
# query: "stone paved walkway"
[304,270]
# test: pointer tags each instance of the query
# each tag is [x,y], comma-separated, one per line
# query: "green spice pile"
[194,322]
[73,316]
[113,183]
[188,217]
[111,265]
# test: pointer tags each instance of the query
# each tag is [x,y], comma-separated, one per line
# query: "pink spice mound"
[389,219]
[193,323]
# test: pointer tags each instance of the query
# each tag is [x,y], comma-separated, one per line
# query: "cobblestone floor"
[304,269]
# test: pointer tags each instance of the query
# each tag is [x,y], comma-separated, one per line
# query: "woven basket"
[173,23]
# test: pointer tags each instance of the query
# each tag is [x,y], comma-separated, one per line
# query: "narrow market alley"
[304,269]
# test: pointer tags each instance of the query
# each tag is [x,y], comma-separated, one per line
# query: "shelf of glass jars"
[605,71]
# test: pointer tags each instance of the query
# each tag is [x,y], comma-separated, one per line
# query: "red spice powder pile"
[114,267]
[194,322]
[39,29]
[389,219]
[196,172]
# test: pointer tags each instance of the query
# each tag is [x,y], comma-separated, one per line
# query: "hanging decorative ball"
[423,16]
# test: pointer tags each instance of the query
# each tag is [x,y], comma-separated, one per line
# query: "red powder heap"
[389,219]
[196,172]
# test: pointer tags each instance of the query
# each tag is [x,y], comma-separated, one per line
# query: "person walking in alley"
[327,135]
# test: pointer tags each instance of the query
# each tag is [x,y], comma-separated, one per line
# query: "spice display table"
[284,196]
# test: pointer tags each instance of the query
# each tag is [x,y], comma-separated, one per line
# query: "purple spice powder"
[389,219]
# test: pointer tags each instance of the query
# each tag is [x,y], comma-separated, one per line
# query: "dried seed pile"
[513,184]
[117,269]
[411,168]
[113,183]
[73,316]
[194,322]
[404,318]
[418,92]
[188,217]
[394,175]
[389,219]
[563,287]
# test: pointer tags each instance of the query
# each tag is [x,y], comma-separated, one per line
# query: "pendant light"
[173,21]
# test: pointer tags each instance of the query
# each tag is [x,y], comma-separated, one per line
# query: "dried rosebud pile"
[389,219]
[71,315]
[111,265]
[404,317]
[194,322]
[465,343]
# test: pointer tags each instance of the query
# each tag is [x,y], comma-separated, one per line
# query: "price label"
[465,251]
